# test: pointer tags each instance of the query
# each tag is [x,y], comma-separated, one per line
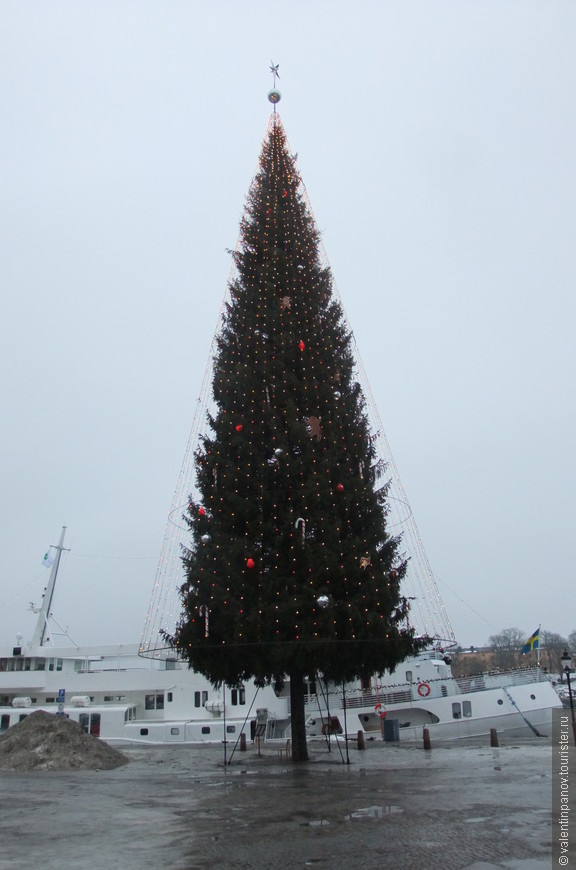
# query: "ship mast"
[44,612]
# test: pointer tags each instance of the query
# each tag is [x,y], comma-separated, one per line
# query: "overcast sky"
[436,141]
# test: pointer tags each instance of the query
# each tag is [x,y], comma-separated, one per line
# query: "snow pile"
[43,741]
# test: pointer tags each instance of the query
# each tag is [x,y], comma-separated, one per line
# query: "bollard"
[494,737]
[242,742]
[426,736]
[361,744]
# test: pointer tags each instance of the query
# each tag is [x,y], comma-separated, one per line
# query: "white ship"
[124,698]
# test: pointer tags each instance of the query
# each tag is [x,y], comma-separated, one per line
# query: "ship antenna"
[44,611]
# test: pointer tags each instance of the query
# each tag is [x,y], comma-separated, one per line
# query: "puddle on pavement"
[375,812]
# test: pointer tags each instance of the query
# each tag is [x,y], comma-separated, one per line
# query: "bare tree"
[552,646]
[507,646]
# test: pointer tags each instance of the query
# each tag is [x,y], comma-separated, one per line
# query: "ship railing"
[370,699]
[497,679]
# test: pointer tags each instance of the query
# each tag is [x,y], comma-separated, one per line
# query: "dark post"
[426,736]
[566,660]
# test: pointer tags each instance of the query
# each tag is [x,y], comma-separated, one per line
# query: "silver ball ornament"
[205,539]
[322,601]
[274,96]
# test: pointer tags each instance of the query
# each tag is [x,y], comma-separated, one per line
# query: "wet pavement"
[393,806]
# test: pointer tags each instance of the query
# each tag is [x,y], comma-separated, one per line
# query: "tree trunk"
[298,721]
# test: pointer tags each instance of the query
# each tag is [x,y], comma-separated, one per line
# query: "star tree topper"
[274,71]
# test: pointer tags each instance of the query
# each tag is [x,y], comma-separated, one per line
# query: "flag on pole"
[533,642]
[48,559]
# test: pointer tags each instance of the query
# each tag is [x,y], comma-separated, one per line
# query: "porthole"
[500,701]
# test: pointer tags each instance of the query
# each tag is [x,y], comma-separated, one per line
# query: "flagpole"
[538,648]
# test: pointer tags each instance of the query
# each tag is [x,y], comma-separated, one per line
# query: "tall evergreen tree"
[291,571]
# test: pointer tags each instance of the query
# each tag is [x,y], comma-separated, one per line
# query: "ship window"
[409,677]
[108,698]
[50,700]
[27,664]
[59,663]
[5,721]
[22,716]
[205,729]
[143,732]
[230,729]
[238,696]
[196,699]
[500,701]
[366,684]
[3,665]
[40,665]
[533,697]
[154,702]
[466,709]
[90,723]
[174,731]
[456,711]
[170,696]
[200,698]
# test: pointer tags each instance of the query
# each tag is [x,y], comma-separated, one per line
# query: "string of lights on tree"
[303,433]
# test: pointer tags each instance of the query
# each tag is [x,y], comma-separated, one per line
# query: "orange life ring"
[423,690]
[379,708]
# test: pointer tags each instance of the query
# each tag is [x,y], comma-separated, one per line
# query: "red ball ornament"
[250,563]
[239,427]
[201,512]
[301,345]
[340,487]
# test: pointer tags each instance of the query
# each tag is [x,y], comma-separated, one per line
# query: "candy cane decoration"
[302,521]
[204,611]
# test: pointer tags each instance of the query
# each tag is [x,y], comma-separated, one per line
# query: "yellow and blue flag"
[533,642]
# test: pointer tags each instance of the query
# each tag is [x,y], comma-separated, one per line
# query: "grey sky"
[437,144]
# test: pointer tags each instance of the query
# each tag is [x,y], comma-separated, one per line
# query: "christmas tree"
[291,571]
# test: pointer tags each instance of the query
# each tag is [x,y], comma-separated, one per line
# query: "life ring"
[379,708]
[423,690]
